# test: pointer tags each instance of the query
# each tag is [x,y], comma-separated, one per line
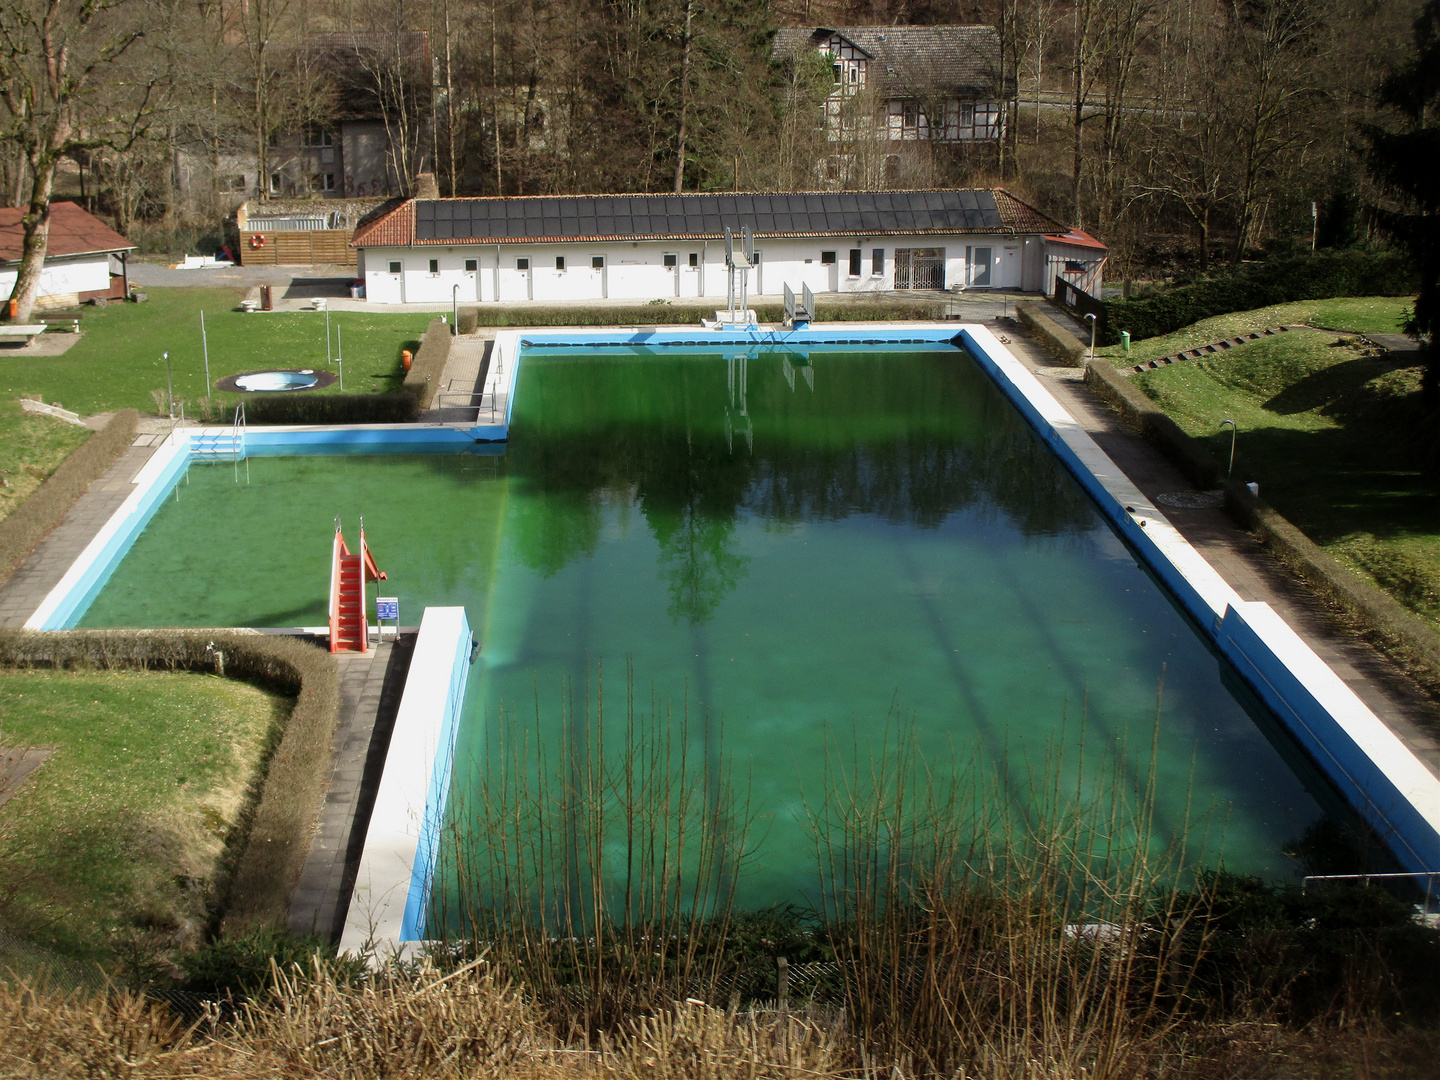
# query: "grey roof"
[910,60]
[699,216]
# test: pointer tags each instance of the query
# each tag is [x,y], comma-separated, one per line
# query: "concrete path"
[1245,564]
[460,399]
[371,685]
[47,564]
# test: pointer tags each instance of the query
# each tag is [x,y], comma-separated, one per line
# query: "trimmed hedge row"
[680,314]
[468,320]
[1278,281]
[396,408]
[1396,630]
[1057,339]
[32,520]
[275,828]
[428,365]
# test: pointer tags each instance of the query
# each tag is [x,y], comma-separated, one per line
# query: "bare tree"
[59,82]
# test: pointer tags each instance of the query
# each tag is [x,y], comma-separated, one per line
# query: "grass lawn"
[1354,315]
[31,446]
[117,362]
[108,850]
[1334,437]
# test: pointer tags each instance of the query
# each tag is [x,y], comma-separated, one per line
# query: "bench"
[64,321]
[15,331]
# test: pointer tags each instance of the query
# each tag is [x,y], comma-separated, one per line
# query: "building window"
[892,169]
[275,182]
[236,182]
[827,258]
[435,267]
[319,137]
[559,262]
[877,262]
[522,264]
[694,259]
[855,256]
[1073,266]
[671,261]
[328,182]
[472,265]
[597,262]
[273,140]
[395,268]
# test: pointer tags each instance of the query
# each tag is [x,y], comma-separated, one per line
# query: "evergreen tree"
[1405,162]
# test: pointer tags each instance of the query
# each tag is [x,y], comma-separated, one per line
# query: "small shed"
[86,259]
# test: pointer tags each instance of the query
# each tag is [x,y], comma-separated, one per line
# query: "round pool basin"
[277,380]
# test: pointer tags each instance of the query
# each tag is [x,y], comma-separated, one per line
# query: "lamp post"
[1091,317]
[339,361]
[169,383]
[1234,430]
[327,333]
[454,310]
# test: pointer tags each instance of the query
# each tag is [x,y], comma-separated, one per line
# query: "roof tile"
[72,232]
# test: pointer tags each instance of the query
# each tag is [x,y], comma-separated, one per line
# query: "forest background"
[1180,131]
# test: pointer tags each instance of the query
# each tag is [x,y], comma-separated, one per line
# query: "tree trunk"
[36,224]
[684,99]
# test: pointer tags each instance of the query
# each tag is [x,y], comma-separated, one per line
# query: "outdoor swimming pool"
[800,552]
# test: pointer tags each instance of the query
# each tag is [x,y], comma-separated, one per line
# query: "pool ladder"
[221,445]
[349,625]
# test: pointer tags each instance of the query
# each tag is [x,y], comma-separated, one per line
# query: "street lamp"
[454,310]
[1234,430]
[169,384]
[1091,316]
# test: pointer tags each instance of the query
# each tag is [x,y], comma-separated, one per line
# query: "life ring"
[258,240]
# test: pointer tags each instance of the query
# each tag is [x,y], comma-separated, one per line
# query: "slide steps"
[349,573]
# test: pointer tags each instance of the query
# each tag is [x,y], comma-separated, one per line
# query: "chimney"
[426,187]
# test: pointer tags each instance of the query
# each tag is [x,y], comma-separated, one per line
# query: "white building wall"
[636,270]
[87,274]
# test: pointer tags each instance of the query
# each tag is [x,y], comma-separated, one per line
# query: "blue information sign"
[387,607]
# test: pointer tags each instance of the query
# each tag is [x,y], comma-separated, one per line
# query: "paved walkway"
[460,399]
[1246,564]
[47,564]
[371,685]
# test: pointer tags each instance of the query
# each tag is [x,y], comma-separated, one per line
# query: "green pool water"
[795,558]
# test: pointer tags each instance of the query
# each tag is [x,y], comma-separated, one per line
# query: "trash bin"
[266,302]
[357,290]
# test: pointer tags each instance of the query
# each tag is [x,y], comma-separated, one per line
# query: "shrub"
[397,408]
[468,321]
[276,832]
[48,504]
[1278,281]
[240,965]
[428,366]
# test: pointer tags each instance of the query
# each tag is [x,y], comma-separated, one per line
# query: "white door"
[759,275]
[981,258]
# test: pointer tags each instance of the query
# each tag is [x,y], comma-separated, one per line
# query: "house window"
[522,264]
[877,262]
[835,71]
[827,258]
[597,262]
[559,262]
[328,182]
[395,268]
[435,267]
[273,140]
[832,168]
[236,182]
[275,182]
[910,120]
[694,259]
[1074,267]
[855,256]
[671,261]
[472,265]
[892,169]
[319,137]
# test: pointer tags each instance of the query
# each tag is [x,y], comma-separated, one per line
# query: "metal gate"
[920,268]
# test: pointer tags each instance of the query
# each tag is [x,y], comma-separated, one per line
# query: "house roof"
[531,219]
[1079,238]
[914,59]
[72,232]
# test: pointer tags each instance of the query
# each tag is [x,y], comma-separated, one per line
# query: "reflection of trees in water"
[911,450]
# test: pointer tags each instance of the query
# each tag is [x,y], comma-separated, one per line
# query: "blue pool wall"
[422,876]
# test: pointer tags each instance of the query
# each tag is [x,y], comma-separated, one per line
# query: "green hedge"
[48,504]
[468,320]
[688,314]
[263,869]
[428,365]
[1278,281]
[397,408]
